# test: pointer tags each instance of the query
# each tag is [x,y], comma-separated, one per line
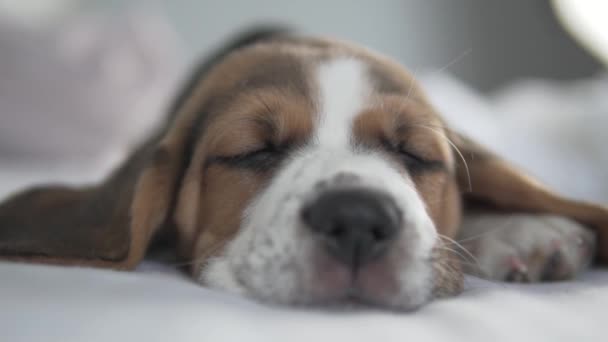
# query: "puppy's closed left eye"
[412,161]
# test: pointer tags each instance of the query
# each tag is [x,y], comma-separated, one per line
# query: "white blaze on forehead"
[343,89]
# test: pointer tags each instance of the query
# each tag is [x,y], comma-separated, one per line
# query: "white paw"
[525,247]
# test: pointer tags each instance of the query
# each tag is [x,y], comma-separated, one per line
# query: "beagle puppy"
[309,171]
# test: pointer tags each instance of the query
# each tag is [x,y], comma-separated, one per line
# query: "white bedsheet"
[43,303]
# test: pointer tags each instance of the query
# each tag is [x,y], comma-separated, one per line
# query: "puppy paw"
[525,247]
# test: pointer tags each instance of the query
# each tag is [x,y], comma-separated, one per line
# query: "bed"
[156,303]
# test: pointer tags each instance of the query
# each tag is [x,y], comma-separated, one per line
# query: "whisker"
[462,256]
[463,259]
[507,223]
[432,125]
[453,61]
[409,91]
[455,243]
[453,270]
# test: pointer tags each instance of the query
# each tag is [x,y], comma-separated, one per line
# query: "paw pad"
[518,271]
[554,268]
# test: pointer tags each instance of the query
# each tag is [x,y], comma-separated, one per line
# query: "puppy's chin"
[324,282]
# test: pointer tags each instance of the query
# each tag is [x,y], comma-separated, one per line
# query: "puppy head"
[319,174]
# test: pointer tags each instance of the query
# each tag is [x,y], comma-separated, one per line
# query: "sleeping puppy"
[309,171]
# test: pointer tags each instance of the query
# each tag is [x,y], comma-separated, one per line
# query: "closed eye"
[258,160]
[411,160]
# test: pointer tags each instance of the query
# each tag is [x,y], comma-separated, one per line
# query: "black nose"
[356,225]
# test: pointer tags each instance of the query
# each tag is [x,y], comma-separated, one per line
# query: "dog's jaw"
[275,258]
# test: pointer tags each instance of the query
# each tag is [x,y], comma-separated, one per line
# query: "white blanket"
[42,303]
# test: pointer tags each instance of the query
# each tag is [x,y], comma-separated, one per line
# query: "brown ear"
[491,181]
[110,224]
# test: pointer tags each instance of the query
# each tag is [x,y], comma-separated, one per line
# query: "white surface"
[41,303]
[61,304]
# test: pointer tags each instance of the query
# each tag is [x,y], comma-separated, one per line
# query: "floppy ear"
[107,225]
[486,179]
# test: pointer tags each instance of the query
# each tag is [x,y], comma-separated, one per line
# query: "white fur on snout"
[272,257]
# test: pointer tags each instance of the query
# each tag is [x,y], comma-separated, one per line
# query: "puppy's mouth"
[374,284]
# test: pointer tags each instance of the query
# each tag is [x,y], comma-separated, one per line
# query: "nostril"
[337,232]
[305,215]
[355,225]
[379,233]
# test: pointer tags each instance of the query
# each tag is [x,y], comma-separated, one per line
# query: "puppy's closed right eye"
[262,159]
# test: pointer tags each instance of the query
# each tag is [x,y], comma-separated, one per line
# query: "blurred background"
[500,40]
[82,81]
[485,43]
